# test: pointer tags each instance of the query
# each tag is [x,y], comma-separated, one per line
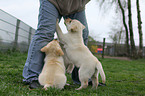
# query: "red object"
[100,49]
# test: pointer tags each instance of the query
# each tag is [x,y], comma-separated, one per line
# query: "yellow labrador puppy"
[79,54]
[53,72]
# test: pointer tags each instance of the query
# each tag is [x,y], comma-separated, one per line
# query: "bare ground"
[120,58]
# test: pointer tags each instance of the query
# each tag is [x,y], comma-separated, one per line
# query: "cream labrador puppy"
[53,72]
[79,54]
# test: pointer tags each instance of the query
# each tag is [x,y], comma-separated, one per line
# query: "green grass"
[124,78]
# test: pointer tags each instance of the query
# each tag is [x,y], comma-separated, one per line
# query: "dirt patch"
[120,58]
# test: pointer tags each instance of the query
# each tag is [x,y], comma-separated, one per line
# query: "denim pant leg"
[82,18]
[48,15]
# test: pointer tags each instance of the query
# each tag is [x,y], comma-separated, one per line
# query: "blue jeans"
[48,15]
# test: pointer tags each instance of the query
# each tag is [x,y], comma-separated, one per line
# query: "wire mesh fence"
[14,34]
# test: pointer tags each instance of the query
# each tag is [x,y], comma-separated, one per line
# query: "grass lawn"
[124,78]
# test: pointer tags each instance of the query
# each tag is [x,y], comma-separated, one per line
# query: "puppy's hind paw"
[101,84]
[67,84]
[79,88]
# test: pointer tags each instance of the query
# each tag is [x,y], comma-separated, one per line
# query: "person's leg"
[82,18]
[48,15]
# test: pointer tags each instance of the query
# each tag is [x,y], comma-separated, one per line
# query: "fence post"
[30,33]
[16,35]
[103,48]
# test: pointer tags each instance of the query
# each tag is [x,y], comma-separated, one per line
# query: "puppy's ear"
[83,27]
[59,52]
[44,49]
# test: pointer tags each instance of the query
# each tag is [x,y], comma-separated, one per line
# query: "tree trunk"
[126,29]
[140,52]
[133,48]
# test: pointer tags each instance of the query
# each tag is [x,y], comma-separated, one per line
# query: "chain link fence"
[14,33]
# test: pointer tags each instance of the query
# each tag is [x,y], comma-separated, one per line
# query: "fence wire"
[14,33]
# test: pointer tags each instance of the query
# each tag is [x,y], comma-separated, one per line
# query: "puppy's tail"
[101,71]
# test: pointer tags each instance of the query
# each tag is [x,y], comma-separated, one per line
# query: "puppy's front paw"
[57,21]
[45,88]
